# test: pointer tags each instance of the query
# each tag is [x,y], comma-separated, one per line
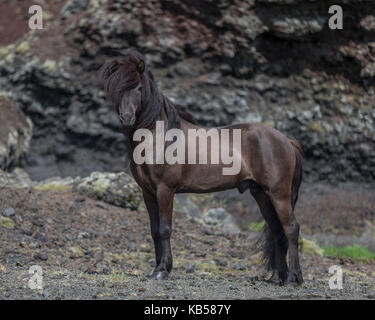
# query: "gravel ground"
[90,250]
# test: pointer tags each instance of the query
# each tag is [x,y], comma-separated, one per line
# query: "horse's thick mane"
[125,73]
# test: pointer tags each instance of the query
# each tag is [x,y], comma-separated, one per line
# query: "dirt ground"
[91,250]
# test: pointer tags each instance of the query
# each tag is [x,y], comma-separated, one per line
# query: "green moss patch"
[53,187]
[7,223]
[257,226]
[316,126]
[355,252]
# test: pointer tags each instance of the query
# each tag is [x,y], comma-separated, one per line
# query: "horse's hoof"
[276,279]
[273,279]
[295,279]
[160,275]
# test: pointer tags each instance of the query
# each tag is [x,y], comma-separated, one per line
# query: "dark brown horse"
[270,167]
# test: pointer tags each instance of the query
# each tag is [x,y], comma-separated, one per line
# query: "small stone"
[102,205]
[80,199]
[82,235]
[27,229]
[41,237]
[33,245]
[9,212]
[46,293]
[10,249]
[240,266]
[75,252]
[144,248]
[220,262]
[37,222]
[131,246]
[91,270]
[208,232]
[40,256]
[106,270]
[190,267]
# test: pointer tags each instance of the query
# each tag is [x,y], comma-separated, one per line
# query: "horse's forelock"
[119,75]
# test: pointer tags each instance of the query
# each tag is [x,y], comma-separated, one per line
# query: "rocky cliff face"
[271,61]
[15,133]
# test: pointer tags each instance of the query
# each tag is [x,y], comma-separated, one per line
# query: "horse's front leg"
[153,211]
[165,204]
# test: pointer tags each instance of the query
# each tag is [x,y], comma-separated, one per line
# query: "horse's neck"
[129,132]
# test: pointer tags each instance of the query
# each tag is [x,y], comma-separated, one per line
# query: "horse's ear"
[141,66]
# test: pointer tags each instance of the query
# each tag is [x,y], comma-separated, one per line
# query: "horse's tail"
[298,172]
[270,239]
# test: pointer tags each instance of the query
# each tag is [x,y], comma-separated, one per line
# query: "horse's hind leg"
[276,245]
[290,226]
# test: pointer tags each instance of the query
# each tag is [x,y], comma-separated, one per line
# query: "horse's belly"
[207,178]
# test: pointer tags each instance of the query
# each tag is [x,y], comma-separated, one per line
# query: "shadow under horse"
[271,167]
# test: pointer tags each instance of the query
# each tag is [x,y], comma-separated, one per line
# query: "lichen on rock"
[118,189]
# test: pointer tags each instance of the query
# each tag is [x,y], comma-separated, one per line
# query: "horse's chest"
[141,177]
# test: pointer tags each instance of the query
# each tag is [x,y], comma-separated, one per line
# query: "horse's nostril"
[126,118]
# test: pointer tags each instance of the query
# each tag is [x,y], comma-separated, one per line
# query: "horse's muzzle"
[127,119]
